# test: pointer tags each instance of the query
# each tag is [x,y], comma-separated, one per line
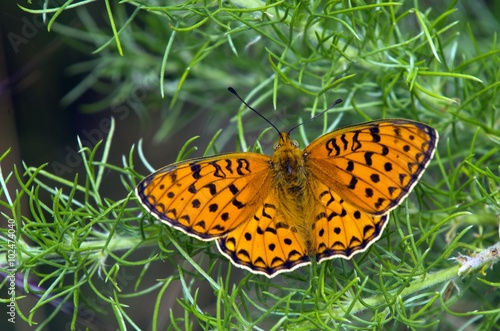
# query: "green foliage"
[79,251]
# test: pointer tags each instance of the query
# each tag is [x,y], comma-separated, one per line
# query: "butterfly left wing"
[207,197]
[266,243]
[373,165]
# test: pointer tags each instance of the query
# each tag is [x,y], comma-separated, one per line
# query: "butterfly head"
[287,158]
[285,141]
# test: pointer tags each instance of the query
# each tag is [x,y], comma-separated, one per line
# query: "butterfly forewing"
[373,165]
[207,197]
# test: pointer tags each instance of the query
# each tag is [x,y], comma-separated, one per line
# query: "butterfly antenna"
[233,91]
[318,115]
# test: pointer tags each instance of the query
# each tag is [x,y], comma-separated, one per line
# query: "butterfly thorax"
[289,164]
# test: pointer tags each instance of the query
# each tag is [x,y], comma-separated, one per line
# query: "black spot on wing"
[356,144]
[368,158]
[211,188]
[195,170]
[350,166]
[332,145]
[218,170]
[233,189]
[375,133]
[238,204]
[344,141]
[352,183]
[243,167]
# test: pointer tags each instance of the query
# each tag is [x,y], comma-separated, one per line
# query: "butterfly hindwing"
[207,197]
[340,229]
[266,243]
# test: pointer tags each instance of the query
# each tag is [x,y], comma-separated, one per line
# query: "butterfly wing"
[339,228]
[229,197]
[207,197]
[266,243]
[374,165]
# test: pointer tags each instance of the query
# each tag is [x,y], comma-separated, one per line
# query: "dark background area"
[39,129]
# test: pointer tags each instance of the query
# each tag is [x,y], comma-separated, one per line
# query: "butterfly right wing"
[339,228]
[373,165]
[207,197]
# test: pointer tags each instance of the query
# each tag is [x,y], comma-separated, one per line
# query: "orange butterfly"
[274,214]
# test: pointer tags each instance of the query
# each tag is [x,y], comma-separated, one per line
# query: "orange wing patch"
[266,243]
[207,197]
[373,165]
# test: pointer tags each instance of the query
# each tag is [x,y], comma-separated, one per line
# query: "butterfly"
[273,214]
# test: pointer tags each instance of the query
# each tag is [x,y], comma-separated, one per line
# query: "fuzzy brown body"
[293,186]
